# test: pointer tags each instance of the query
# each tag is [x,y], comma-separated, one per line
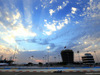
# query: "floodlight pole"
[48,57]
[96,56]
[45,59]
[59,58]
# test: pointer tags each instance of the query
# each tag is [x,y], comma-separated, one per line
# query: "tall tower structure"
[67,56]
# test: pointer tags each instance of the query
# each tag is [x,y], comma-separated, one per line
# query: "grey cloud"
[52,46]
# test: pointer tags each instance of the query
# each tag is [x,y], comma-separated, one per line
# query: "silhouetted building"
[67,56]
[88,59]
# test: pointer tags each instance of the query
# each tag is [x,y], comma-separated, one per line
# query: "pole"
[55,59]
[48,57]
[78,55]
[32,58]
[14,55]
[59,58]
[96,56]
[45,58]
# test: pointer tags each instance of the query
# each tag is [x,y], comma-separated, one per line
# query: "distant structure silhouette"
[88,59]
[5,61]
[67,56]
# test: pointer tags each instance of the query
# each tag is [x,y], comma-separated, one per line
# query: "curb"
[52,71]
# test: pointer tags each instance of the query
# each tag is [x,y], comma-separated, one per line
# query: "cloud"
[48,32]
[43,6]
[98,6]
[36,8]
[92,10]
[17,31]
[45,20]
[52,45]
[73,10]
[7,18]
[87,44]
[13,26]
[0,14]
[59,7]
[51,11]
[1,24]
[58,49]
[51,1]
[51,27]
[17,16]
[9,39]
[43,42]
[76,22]
[20,31]
[63,5]
[66,21]
[55,25]
[60,26]
[27,50]
[28,11]
[7,51]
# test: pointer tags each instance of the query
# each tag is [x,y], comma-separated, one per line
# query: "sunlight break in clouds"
[17,31]
[20,31]
[16,26]
[9,39]
[6,51]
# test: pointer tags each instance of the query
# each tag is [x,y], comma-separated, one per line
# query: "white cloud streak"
[51,11]
[73,10]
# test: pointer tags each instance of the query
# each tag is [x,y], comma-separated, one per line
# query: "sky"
[38,27]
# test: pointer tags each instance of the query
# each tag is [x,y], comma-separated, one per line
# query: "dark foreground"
[32,73]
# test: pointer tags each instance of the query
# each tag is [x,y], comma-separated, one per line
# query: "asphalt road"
[32,73]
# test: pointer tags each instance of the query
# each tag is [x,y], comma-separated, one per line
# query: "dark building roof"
[67,50]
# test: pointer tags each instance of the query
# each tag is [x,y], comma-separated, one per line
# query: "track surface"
[31,73]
